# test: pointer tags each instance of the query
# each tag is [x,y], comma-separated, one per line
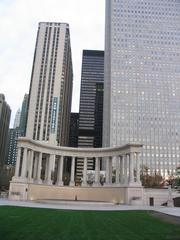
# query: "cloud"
[18,27]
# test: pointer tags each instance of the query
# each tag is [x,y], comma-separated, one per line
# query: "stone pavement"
[80,205]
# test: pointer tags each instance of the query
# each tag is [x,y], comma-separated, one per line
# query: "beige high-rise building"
[51,85]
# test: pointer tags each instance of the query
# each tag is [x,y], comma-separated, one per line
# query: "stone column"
[107,171]
[110,170]
[30,167]
[60,171]
[126,158]
[121,168]
[18,163]
[52,165]
[72,183]
[138,168]
[131,168]
[35,166]
[97,172]
[117,169]
[24,164]
[48,172]
[84,183]
[39,180]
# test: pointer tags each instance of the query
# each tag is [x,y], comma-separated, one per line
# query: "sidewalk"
[78,205]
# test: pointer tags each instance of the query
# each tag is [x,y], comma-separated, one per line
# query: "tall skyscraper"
[17,119]
[73,133]
[18,131]
[11,156]
[23,117]
[142,87]
[91,77]
[51,85]
[92,74]
[5,113]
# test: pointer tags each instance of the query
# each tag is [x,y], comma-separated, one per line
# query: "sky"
[18,28]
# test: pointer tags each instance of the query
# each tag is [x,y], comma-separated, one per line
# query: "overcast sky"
[18,27]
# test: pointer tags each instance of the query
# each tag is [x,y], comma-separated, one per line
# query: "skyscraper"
[92,75]
[142,87]
[17,119]
[5,113]
[17,131]
[73,133]
[51,85]
[23,117]
[11,156]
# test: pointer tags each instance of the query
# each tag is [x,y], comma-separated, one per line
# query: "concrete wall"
[160,196]
[122,195]
[18,191]
[101,194]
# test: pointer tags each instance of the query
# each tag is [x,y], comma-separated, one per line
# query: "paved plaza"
[80,205]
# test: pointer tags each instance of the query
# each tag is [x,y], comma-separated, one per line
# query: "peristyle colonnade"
[33,156]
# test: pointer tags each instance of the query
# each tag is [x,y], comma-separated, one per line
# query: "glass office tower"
[91,104]
[142,79]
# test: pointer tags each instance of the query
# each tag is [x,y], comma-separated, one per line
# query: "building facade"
[18,130]
[23,117]
[17,119]
[73,133]
[92,74]
[142,87]
[13,135]
[51,85]
[5,113]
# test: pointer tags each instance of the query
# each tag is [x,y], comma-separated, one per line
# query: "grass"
[18,223]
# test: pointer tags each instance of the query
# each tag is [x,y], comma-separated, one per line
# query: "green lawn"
[35,224]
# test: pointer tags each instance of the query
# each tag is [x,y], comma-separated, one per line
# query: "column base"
[170,203]
[134,184]
[16,179]
[30,180]
[60,183]
[19,179]
[48,182]
[107,184]
[96,184]
[117,184]
[72,184]
[38,181]
[83,184]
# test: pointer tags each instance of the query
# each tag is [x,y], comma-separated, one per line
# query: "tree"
[150,181]
[6,174]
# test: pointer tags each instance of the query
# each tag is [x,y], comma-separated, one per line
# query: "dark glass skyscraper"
[92,75]
[5,113]
[73,133]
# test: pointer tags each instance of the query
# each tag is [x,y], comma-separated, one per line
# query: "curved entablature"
[78,152]
[43,163]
